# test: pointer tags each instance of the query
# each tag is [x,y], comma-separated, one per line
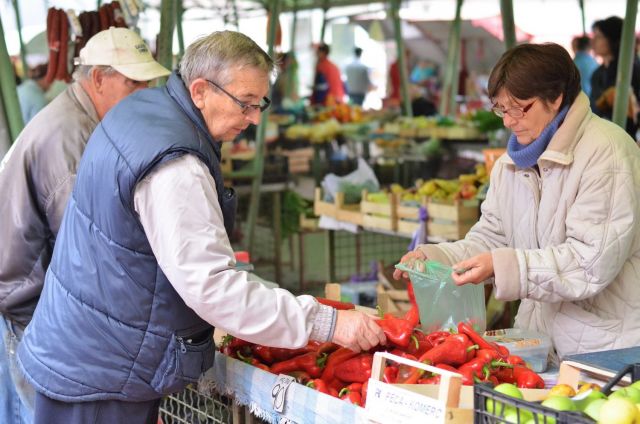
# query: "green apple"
[635,384]
[631,393]
[559,403]
[594,395]
[618,411]
[511,416]
[593,408]
[506,389]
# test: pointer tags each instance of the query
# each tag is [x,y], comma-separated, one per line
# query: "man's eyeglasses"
[246,108]
[514,112]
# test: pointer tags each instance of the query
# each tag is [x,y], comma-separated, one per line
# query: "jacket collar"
[179,93]
[565,140]
[84,100]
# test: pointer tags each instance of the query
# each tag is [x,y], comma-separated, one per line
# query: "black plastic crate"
[541,415]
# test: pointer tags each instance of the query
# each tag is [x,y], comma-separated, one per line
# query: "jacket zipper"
[536,187]
[183,348]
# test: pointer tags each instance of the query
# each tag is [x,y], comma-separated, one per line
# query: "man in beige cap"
[143,267]
[36,178]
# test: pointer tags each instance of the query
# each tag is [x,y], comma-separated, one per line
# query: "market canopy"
[481,39]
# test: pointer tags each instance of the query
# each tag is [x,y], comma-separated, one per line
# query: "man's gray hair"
[82,72]
[215,55]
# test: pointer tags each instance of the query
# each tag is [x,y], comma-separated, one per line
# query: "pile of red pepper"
[342,373]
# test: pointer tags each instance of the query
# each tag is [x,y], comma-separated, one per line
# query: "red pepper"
[271,355]
[311,362]
[319,385]
[411,293]
[365,388]
[390,374]
[337,357]
[413,316]
[397,330]
[516,360]
[468,376]
[351,396]
[356,369]
[488,354]
[464,328]
[403,354]
[300,376]
[479,366]
[333,392]
[336,304]
[438,337]
[252,361]
[230,345]
[446,367]
[493,380]
[456,350]
[504,375]
[526,378]
[419,344]
[434,379]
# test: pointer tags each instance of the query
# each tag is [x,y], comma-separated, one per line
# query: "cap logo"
[142,48]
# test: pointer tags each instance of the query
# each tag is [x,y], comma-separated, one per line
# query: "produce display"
[465,187]
[342,373]
[622,406]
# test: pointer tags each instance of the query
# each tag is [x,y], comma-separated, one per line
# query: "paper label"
[279,392]
[387,404]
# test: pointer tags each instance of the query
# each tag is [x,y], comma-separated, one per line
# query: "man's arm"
[179,210]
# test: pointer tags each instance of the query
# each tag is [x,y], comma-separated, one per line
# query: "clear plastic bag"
[442,303]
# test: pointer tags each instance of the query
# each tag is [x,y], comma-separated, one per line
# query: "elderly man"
[143,266]
[36,178]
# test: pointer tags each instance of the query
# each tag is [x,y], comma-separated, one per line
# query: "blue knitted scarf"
[526,156]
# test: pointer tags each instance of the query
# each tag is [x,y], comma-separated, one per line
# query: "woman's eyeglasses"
[246,108]
[514,112]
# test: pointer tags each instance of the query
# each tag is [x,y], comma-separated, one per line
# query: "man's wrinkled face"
[225,116]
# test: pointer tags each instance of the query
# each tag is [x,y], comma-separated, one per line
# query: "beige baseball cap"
[123,50]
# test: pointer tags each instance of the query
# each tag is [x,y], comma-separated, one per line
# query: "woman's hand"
[474,270]
[409,259]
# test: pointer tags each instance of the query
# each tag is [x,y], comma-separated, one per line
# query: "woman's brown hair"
[536,70]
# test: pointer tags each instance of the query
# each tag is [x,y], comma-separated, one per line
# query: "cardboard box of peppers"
[342,373]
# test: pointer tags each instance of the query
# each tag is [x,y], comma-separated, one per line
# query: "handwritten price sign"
[279,392]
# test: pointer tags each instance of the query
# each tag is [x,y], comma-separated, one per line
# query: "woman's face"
[536,115]
[600,44]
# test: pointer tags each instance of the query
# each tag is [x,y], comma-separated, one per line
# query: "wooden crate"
[379,215]
[338,209]
[408,218]
[448,402]
[449,219]
[298,159]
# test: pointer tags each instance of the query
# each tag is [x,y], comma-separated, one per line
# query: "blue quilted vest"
[109,325]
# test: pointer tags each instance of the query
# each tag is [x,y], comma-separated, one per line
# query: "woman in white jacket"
[560,227]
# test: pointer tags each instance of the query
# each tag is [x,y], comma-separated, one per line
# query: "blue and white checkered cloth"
[251,387]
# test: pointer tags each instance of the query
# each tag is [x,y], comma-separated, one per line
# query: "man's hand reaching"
[357,331]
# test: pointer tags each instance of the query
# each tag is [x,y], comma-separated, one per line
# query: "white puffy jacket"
[566,239]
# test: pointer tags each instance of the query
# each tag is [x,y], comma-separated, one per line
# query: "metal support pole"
[236,16]
[394,9]
[582,16]
[508,26]
[258,163]
[625,64]
[23,51]
[179,13]
[8,91]
[293,68]
[451,70]
[323,31]
[165,38]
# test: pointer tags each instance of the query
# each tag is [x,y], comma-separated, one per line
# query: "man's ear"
[97,79]
[198,90]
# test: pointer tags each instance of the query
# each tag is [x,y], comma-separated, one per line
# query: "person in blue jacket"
[143,268]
